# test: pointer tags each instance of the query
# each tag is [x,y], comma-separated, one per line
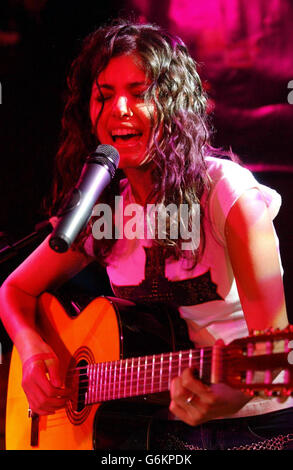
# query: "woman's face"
[126,120]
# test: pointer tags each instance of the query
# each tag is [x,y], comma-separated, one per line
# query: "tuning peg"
[288,329]
[249,391]
[256,332]
[269,331]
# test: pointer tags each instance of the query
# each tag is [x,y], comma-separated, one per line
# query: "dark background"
[246,61]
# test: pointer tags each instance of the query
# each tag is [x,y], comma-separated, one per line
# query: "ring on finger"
[189,399]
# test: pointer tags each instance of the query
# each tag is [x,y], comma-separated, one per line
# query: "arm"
[42,270]
[254,258]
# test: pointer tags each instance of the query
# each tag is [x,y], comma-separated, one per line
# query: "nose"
[121,107]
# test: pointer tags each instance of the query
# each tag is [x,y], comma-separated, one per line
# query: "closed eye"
[140,96]
[101,98]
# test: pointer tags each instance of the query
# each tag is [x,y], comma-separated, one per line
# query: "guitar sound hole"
[77,379]
[82,385]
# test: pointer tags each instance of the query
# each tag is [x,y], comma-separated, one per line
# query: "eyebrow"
[130,85]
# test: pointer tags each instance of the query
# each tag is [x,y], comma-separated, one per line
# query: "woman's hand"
[195,403]
[41,380]
[42,383]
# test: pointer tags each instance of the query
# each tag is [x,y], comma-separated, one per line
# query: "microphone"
[76,210]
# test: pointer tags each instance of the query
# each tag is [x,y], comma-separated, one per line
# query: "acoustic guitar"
[120,357]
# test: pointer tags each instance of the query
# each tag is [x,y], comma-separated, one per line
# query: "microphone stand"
[12,249]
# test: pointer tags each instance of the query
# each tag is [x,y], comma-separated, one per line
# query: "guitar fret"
[201,359]
[105,380]
[98,381]
[131,376]
[161,371]
[125,378]
[119,387]
[170,370]
[115,375]
[101,381]
[110,382]
[190,359]
[137,376]
[145,371]
[179,363]
[153,373]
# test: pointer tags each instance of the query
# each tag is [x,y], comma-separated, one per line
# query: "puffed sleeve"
[229,181]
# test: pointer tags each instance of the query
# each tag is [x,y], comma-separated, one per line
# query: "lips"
[120,135]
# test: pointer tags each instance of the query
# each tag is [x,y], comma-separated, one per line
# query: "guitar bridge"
[34,429]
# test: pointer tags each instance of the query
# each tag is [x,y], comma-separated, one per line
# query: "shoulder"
[230,181]
[219,168]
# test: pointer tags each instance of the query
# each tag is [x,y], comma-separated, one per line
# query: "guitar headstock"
[261,363]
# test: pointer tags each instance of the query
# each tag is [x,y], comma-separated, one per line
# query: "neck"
[141,182]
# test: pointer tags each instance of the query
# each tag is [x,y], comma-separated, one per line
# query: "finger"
[198,388]
[39,401]
[179,394]
[36,403]
[55,378]
[46,384]
[186,413]
[46,396]
[52,366]
[185,387]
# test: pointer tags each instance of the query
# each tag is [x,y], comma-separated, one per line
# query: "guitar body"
[108,329]
[116,399]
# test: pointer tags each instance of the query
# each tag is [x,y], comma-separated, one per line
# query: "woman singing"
[136,87]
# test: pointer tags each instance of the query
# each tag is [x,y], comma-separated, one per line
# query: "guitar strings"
[140,362]
[130,390]
[96,388]
[134,374]
[166,355]
[124,387]
[185,355]
[150,357]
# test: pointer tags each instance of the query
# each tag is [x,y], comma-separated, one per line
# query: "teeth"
[118,132]
[124,133]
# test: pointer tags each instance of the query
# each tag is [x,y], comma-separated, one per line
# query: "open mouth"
[125,135]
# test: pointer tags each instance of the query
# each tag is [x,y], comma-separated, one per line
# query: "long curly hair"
[181,133]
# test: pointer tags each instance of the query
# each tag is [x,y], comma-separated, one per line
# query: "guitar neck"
[235,364]
[142,375]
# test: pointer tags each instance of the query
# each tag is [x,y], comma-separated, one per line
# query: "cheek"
[148,116]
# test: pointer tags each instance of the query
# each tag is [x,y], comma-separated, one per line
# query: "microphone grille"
[107,155]
[108,151]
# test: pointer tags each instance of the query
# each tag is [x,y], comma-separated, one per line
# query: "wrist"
[28,343]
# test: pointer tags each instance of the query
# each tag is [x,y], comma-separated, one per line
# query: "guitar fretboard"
[142,375]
